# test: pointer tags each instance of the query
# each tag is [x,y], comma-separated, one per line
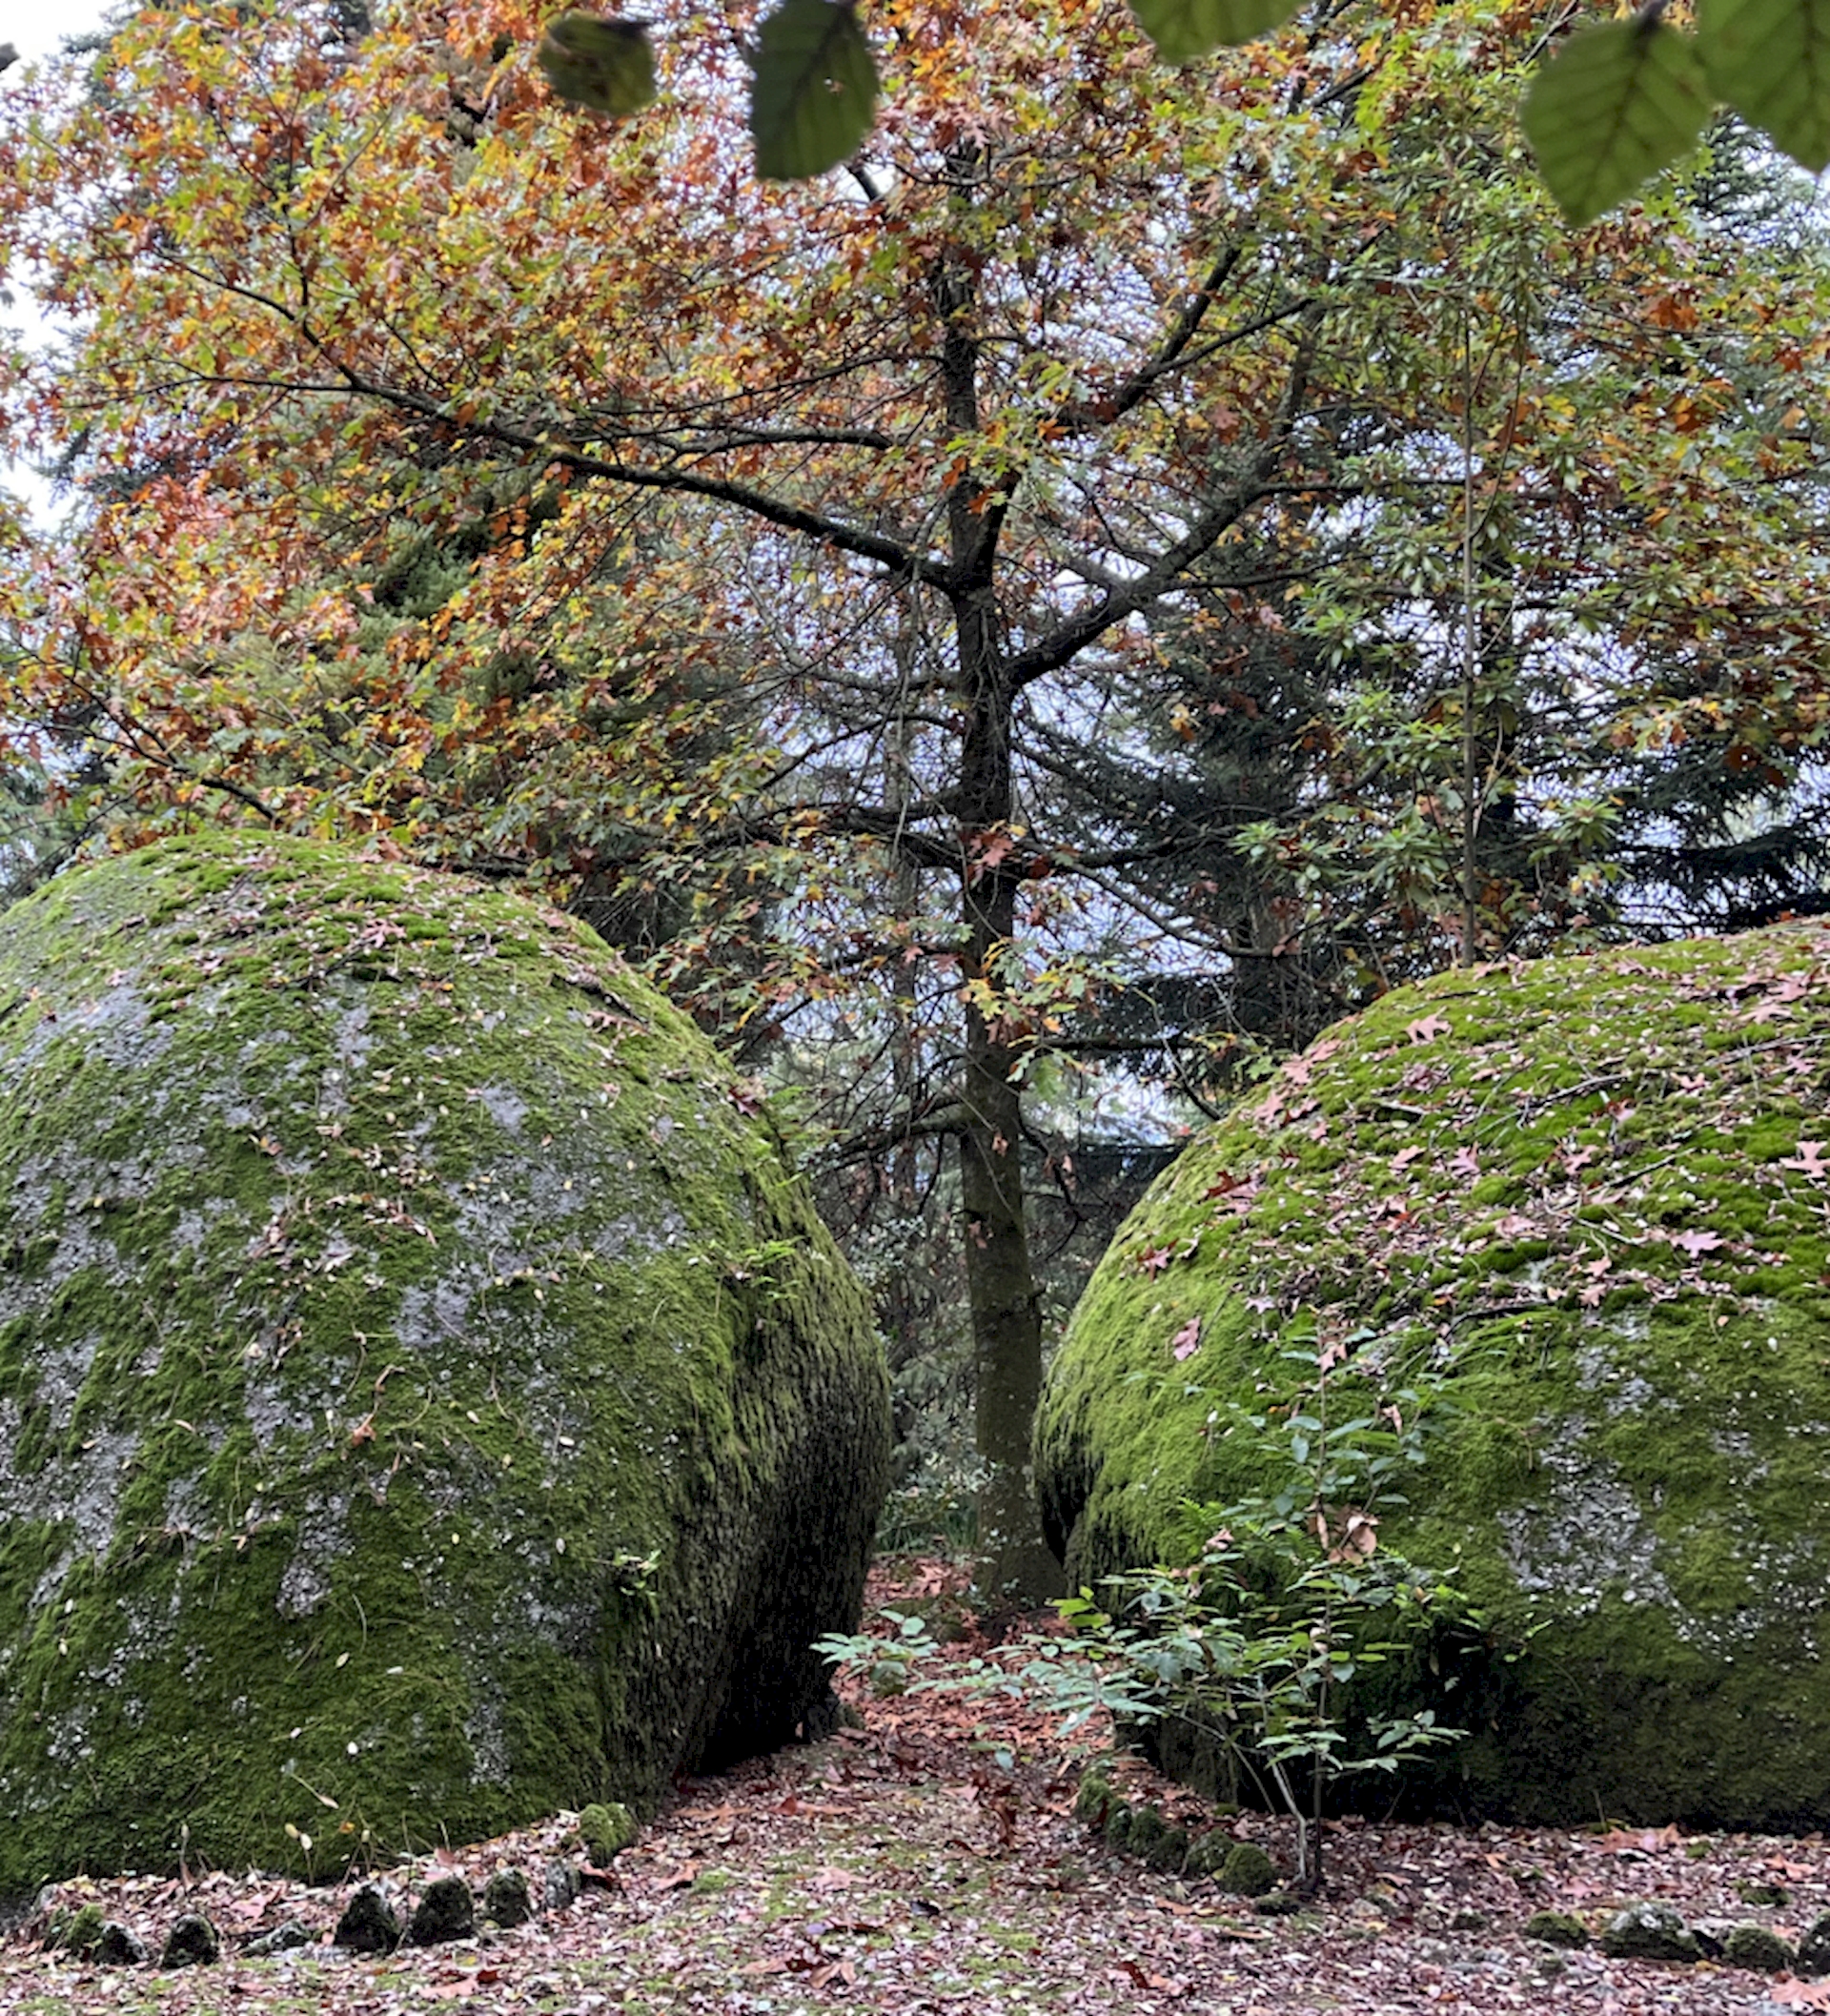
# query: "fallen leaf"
[1188,1339]
[1793,1993]
[1428,1028]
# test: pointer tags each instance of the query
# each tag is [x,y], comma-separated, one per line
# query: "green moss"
[1246,1871]
[1758,1948]
[1092,1798]
[81,1932]
[606,1830]
[394,1443]
[1629,1331]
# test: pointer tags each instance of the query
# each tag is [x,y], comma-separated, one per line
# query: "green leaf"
[1617,104]
[1771,60]
[815,92]
[607,64]
[1183,29]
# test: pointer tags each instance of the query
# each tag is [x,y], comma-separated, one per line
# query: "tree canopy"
[1141,559]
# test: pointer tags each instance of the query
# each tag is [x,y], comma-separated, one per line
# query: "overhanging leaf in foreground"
[1771,60]
[815,92]
[607,64]
[1183,29]
[1618,103]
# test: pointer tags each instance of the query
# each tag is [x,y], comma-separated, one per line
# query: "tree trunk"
[1015,1563]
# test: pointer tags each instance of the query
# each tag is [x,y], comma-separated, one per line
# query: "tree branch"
[1170,567]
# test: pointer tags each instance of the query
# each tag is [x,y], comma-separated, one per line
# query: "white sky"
[35,28]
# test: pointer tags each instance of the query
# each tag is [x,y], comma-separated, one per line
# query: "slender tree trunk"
[902,1302]
[1015,1562]
[1006,1312]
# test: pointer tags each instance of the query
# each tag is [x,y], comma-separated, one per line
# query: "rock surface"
[369,1923]
[1589,1195]
[507,1900]
[427,1400]
[1814,1948]
[446,1910]
[1648,1931]
[193,1941]
[285,1938]
[118,1947]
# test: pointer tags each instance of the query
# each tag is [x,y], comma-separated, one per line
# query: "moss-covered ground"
[1582,1205]
[427,1399]
[900,1868]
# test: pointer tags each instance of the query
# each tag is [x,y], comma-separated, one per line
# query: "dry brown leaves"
[899,1867]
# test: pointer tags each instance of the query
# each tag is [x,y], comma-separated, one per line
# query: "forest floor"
[900,1867]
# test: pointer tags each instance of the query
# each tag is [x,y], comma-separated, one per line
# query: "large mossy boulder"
[427,1398]
[1586,1198]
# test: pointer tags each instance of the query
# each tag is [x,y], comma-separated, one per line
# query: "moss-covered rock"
[606,1830]
[1093,1796]
[446,1910]
[193,1941]
[1649,1931]
[369,1923]
[1556,1928]
[507,1900]
[77,1932]
[1814,1948]
[1246,1871]
[1208,1852]
[426,1398]
[1758,1948]
[1588,1196]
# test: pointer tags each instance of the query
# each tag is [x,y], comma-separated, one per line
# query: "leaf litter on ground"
[900,1866]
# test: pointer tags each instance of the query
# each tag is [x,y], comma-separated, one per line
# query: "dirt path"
[899,1867]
